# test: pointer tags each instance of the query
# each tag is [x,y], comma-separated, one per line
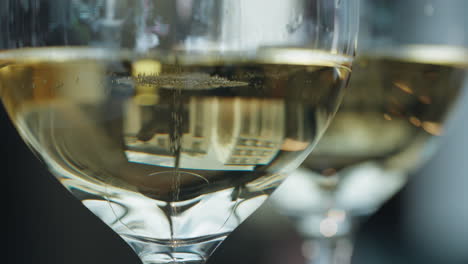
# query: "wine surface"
[194,142]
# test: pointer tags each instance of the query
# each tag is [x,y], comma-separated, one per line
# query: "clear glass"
[410,68]
[173,120]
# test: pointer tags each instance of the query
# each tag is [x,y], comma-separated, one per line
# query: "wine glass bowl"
[172,121]
[385,129]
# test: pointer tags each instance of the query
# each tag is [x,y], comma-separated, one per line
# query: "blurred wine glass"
[408,74]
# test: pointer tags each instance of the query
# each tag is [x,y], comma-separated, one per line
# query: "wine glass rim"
[432,54]
[294,55]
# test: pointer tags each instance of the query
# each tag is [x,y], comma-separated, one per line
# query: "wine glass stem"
[334,250]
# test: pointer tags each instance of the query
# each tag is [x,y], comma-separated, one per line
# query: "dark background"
[425,223]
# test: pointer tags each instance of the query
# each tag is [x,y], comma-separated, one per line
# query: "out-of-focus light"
[404,87]
[387,117]
[432,128]
[415,121]
[294,145]
[425,99]
[328,227]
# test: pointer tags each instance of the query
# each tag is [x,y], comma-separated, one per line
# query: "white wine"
[396,104]
[394,109]
[194,143]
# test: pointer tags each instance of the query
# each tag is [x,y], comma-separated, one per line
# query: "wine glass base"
[188,251]
[177,257]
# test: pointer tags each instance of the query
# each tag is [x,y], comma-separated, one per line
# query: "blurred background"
[425,223]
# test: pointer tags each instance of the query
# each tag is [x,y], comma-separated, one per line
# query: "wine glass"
[173,120]
[410,68]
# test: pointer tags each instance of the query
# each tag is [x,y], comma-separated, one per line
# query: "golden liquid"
[171,128]
[396,103]
[390,118]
